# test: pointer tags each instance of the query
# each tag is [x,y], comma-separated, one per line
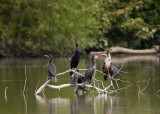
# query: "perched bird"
[108,67]
[51,68]
[90,71]
[74,62]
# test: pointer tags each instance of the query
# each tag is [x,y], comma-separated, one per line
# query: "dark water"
[139,68]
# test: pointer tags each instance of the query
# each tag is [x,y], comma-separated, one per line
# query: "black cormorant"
[51,68]
[108,67]
[74,61]
[90,71]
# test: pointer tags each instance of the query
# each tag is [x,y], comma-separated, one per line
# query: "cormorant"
[108,67]
[90,71]
[51,68]
[74,62]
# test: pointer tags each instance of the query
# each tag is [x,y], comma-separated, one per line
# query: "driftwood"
[122,50]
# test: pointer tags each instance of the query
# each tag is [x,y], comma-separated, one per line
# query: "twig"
[122,81]
[70,70]
[95,71]
[145,86]
[118,71]
[36,86]
[99,81]
[100,72]
[25,80]
[114,91]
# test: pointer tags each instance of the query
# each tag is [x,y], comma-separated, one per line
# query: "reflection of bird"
[108,67]
[51,68]
[89,72]
[74,62]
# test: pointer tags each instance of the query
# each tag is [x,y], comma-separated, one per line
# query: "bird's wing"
[114,71]
[52,68]
[89,73]
[103,68]
[74,60]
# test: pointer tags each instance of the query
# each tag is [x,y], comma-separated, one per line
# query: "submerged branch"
[25,80]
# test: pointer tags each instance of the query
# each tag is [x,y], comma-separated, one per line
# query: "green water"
[65,101]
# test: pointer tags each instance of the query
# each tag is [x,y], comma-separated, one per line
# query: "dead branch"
[60,86]
[80,85]
[6,93]
[158,91]
[60,74]
[115,91]
[99,81]
[25,80]
[70,70]
[42,87]
[98,89]
[145,86]
[36,86]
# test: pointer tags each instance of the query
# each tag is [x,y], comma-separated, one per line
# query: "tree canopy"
[35,27]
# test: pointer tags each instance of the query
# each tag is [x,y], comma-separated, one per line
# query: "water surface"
[65,101]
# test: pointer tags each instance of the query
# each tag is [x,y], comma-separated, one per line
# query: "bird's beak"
[96,56]
[104,55]
[46,55]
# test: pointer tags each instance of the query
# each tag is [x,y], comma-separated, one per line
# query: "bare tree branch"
[25,80]
[6,93]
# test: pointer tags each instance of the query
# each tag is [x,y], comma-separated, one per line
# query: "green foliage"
[35,27]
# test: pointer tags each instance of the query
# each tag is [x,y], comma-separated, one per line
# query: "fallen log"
[122,50]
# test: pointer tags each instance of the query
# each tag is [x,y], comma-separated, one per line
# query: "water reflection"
[80,104]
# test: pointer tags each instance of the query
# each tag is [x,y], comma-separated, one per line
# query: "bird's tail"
[54,79]
[105,77]
[71,77]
